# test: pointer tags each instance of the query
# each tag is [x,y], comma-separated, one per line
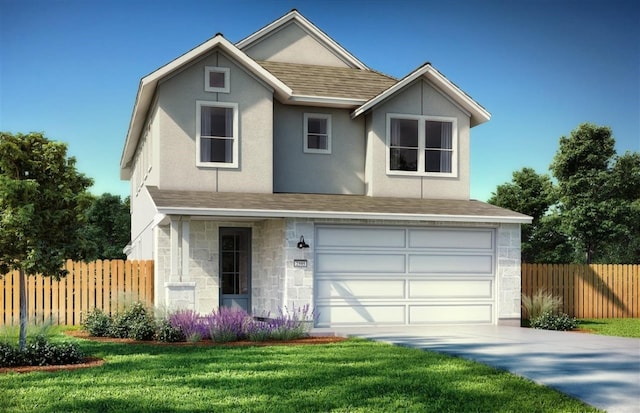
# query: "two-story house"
[282,171]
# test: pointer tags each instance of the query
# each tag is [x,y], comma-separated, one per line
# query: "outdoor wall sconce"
[302,244]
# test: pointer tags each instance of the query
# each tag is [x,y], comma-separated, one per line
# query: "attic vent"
[216,79]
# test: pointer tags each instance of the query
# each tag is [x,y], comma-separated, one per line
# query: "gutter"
[269,213]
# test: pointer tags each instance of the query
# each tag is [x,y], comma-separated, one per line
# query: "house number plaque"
[300,263]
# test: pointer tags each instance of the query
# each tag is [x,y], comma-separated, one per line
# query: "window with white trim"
[422,145]
[216,79]
[217,134]
[317,133]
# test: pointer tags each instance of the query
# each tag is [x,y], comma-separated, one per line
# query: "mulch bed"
[95,362]
[88,362]
[208,343]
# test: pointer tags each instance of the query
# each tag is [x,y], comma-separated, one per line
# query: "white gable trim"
[478,113]
[307,26]
[147,87]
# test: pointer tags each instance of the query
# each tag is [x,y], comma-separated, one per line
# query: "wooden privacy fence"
[588,291]
[101,284]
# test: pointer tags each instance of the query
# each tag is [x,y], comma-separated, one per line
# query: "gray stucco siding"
[177,97]
[420,98]
[340,172]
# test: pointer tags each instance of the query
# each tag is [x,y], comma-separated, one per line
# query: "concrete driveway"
[602,371]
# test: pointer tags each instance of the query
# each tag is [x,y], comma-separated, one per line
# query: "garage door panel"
[360,263]
[376,275]
[359,289]
[439,289]
[451,239]
[433,314]
[360,314]
[450,264]
[333,237]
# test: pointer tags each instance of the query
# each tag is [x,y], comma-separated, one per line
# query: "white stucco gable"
[148,84]
[477,113]
[294,39]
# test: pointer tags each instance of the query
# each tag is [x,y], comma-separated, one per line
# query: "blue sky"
[71,68]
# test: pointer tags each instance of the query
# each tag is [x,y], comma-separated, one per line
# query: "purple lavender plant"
[293,324]
[288,325]
[189,322]
[228,324]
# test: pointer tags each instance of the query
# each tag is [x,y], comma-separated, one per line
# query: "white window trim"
[421,145]
[305,144]
[236,135]
[216,69]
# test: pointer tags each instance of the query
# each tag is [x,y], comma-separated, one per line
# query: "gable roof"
[357,88]
[330,82]
[477,112]
[148,84]
[279,205]
[294,17]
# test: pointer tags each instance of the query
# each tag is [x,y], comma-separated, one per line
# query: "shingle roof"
[325,81]
[327,206]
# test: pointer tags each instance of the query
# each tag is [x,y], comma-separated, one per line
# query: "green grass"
[621,327]
[10,333]
[351,376]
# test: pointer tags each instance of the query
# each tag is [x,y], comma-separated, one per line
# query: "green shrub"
[134,322]
[551,321]
[539,303]
[168,333]
[40,352]
[119,327]
[98,323]
[10,356]
[144,329]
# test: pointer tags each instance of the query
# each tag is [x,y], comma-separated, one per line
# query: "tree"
[548,243]
[108,227]
[42,202]
[624,187]
[533,194]
[598,192]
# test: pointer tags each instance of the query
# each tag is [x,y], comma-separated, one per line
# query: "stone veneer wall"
[162,263]
[203,264]
[508,273]
[300,282]
[268,267]
[277,284]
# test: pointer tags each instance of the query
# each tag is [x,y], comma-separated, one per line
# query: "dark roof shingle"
[283,204]
[326,81]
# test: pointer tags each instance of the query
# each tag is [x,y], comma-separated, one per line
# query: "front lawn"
[351,376]
[621,327]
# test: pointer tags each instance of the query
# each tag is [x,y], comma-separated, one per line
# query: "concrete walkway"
[599,370]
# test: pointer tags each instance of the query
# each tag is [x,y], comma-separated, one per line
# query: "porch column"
[180,291]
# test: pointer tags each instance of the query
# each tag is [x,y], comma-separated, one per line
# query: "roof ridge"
[328,67]
[308,26]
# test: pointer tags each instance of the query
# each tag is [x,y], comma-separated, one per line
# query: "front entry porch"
[206,262]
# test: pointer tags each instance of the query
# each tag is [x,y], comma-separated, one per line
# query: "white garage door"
[401,276]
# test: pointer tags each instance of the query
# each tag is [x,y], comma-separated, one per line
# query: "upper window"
[216,79]
[217,134]
[421,145]
[317,133]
